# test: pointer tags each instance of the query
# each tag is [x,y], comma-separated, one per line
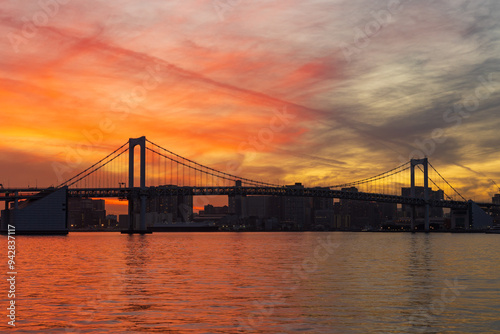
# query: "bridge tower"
[425,163]
[133,142]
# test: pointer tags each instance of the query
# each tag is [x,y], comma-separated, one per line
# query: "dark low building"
[44,214]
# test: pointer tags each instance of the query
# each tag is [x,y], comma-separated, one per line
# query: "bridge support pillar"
[412,194]
[426,193]
[133,142]
[413,214]
[425,163]
[142,227]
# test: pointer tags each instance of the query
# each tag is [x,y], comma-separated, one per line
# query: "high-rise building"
[297,211]
[496,211]
[237,203]
[180,207]
[86,212]
[323,215]
[420,211]
[356,214]
[496,199]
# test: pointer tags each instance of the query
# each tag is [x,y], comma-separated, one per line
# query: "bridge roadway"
[9,194]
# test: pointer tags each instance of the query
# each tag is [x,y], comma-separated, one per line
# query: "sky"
[320,91]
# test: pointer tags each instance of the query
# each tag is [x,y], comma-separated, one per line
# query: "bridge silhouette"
[165,173]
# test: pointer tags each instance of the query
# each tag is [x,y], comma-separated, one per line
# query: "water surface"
[310,282]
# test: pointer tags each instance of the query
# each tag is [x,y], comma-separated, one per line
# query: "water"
[311,282]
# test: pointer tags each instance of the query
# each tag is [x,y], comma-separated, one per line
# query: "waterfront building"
[46,214]
[420,211]
[86,213]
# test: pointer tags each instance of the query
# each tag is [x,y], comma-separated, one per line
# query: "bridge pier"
[425,163]
[413,214]
[133,142]
[142,227]
[426,193]
[427,219]
[412,195]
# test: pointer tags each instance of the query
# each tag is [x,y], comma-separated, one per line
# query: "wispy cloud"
[219,81]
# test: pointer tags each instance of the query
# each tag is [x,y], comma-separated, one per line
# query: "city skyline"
[280,91]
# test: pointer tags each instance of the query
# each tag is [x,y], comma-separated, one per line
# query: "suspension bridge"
[162,172]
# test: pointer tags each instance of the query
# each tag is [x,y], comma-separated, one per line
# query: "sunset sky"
[319,91]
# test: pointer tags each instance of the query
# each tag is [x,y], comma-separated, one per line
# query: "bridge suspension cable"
[188,166]
[185,172]
[446,181]
[205,169]
[84,173]
[377,177]
[434,183]
[96,169]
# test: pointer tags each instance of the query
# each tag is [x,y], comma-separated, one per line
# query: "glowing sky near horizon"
[348,88]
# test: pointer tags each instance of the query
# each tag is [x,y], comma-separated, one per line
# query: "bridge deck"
[24,193]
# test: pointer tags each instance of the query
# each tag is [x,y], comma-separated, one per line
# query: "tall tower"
[133,142]
[425,163]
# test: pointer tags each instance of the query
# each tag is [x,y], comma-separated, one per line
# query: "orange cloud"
[209,90]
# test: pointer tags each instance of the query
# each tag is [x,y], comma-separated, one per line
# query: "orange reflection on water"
[256,282]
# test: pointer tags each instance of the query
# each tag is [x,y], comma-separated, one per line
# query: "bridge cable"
[234,177]
[181,163]
[375,177]
[95,170]
[62,184]
[197,169]
[447,182]
[434,183]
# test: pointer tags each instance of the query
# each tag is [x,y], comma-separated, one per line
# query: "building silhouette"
[164,209]
[178,208]
[86,213]
[434,212]
[296,214]
[496,211]
[43,215]
[355,214]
